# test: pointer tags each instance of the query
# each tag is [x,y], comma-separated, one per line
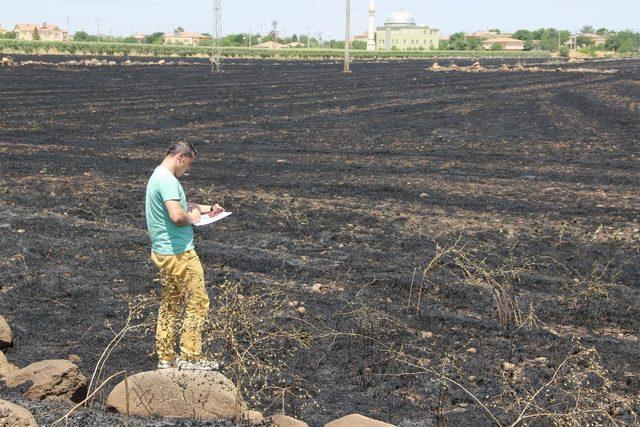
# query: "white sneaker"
[164,364]
[200,365]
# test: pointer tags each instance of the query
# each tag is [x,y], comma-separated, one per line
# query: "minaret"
[371,41]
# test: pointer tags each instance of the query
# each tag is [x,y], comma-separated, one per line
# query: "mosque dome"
[400,18]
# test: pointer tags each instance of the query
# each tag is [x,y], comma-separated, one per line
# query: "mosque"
[400,32]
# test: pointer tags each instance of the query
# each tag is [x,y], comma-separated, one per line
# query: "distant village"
[399,32]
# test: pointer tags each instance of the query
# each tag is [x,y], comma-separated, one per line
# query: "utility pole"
[260,27]
[274,29]
[249,36]
[67,26]
[216,50]
[98,23]
[347,36]
[308,37]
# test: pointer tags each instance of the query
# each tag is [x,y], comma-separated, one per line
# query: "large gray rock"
[6,368]
[173,393]
[357,420]
[12,415]
[49,380]
[280,420]
[6,337]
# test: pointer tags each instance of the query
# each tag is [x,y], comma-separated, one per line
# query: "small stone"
[389,300]
[302,310]
[292,304]
[74,358]
[281,161]
[20,230]
[423,195]
[541,360]
[509,367]
[426,334]
[472,350]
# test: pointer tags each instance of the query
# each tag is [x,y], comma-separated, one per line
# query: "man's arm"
[180,217]
[206,209]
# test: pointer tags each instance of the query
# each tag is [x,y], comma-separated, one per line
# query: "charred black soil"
[456,221]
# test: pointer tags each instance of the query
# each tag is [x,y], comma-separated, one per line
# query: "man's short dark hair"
[184,147]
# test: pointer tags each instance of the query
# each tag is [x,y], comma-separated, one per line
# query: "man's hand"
[215,210]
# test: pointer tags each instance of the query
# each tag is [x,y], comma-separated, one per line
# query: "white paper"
[206,219]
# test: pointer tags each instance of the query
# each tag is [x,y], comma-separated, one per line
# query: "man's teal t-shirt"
[167,238]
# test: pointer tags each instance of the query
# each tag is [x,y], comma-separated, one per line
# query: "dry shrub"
[140,318]
[255,337]
[579,391]
[477,264]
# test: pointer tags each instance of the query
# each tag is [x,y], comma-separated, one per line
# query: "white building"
[400,32]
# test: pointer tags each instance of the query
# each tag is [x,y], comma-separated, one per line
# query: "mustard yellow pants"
[183,299]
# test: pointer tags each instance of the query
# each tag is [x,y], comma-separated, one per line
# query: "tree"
[527,37]
[602,32]
[180,29]
[623,41]
[294,38]
[495,30]
[81,36]
[233,40]
[523,35]
[474,44]
[35,35]
[587,29]
[154,38]
[551,39]
[8,35]
[457,41]
[584,41]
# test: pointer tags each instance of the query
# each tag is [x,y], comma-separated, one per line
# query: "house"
[483,35]
[595,38]
[506,43]
[271,45]
[44,32]
[186,38]
[362,37]
[139,37]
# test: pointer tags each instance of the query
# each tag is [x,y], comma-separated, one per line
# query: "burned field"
[451,236]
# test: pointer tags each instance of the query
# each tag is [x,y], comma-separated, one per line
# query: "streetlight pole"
[347,36]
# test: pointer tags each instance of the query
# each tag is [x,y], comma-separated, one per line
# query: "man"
[169,221]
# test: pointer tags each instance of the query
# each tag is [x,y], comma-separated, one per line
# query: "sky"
[124,17]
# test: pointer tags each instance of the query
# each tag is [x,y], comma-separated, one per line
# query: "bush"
[564,51]
[591,51]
